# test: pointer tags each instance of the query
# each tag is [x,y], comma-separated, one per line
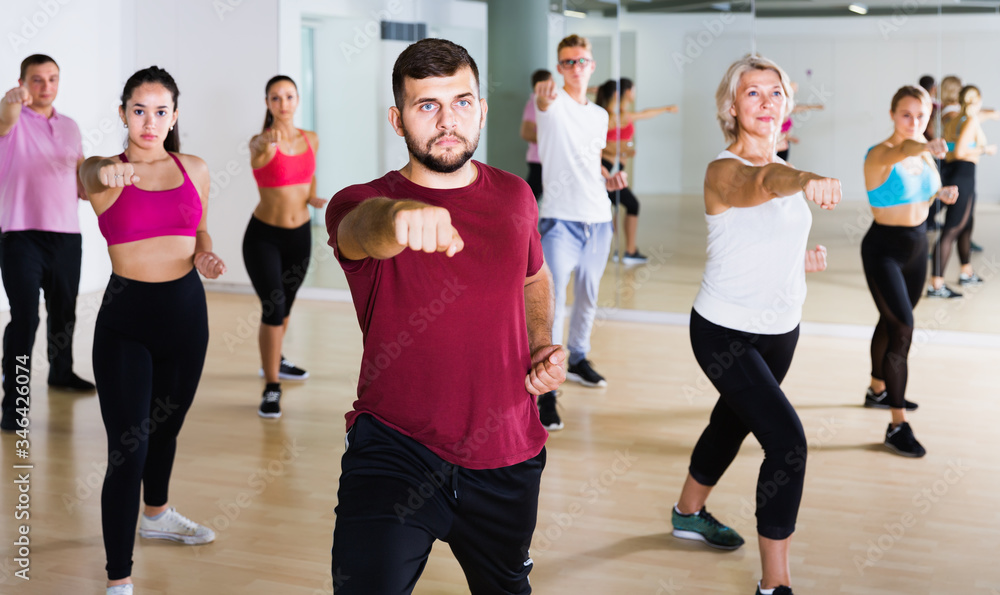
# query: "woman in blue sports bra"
[902,183]
[966,145]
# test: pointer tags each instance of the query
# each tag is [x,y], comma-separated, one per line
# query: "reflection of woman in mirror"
[787,138]
[278,240]
[966,144]
[529,132]
[621,132]
[151,333]
[745,320]
[902,182]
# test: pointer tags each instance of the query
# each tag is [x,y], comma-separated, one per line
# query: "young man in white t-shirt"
[574,214]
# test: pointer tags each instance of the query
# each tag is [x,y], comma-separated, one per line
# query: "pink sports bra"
[287,170]
[625,133]
[142,214]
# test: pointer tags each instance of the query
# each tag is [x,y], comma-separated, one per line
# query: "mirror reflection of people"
[787,139]
[902,182]
[445,404]
[151,333]
[621,147]
[278,240]
[966,145]
[529,132]
[40,152]
[758,227]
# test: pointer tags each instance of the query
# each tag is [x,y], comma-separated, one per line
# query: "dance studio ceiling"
[785,8]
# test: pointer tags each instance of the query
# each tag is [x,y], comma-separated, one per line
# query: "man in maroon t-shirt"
[455,302]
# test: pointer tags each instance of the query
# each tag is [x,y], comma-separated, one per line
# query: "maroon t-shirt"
[445,339]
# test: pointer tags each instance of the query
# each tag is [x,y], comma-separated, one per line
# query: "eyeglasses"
[571,62]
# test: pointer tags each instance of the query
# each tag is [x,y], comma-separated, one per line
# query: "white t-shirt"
[755,277]
[570,140]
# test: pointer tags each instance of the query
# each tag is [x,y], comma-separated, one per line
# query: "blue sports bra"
[951,145]
[903,187]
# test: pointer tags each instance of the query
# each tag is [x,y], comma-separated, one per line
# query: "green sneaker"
[702,526]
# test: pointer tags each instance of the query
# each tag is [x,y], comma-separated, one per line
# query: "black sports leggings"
[625,197]
[277,259]
[534,179]
[958,219]
[895,263]
[747,370]
[149,349]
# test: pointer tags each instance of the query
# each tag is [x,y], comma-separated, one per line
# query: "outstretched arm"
[652,112]
[382,228]
[731,183]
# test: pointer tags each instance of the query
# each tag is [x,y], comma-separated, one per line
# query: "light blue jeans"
[581,248]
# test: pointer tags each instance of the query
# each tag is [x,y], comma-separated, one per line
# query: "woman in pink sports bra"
[278,240]
[151,333]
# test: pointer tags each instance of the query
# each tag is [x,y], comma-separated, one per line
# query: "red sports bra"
[142,214]
[287,170]
[626,133]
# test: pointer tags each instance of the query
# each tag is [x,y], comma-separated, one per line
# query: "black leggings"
[149,348]
[277,259]
[747,369]
[958,219]
[624,197]
[895,264]
[534,179]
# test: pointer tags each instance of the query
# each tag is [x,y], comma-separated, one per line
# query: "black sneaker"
[288,371]
[974,247]
[584,373]
[881,401]
[635,258]
[782,590]
[972,279]
[547,413]
[943,292]
[270,403]
[901,441]
[73,384]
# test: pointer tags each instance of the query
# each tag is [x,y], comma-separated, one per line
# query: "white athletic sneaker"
[120,590]
[173,525]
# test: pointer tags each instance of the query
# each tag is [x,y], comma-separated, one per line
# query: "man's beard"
[451,163]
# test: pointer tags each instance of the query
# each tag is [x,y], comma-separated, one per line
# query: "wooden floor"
[871,522]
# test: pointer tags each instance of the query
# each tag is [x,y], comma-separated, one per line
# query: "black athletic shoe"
[547,411]
[782,590]
[943,292]
[972,279]
[974,247]
[270,403]
[881,401]
[584,373]
[73,384]
[288,371]
[901,441]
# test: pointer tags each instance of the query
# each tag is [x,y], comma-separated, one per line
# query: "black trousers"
[534,179]
[747,370]
[277,259]
[623,197]
[396,498]
[150,341]
[895,264]
[958,220]
[33,261]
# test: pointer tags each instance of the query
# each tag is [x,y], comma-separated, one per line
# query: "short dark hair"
[927,82]
[429,58]
[34,60]
[538,76]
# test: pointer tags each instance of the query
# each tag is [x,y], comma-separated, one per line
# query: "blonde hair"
[963,96]
[950,87]
[573,41]
[725,96]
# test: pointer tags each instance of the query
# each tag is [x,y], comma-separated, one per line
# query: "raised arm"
[884,156]
[730,183]
[381,228]
[547,371]
[10,108]
[545,94]
[652,112]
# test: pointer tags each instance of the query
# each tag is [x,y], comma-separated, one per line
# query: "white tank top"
[755,277]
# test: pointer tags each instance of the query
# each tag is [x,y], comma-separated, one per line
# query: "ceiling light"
[575,14]
[858,8]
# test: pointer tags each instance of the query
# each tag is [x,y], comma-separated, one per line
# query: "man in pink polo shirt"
[40,151]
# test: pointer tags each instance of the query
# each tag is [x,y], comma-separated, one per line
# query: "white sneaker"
[120,590]
[173,525]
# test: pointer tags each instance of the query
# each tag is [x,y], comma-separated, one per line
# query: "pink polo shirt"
[38,160]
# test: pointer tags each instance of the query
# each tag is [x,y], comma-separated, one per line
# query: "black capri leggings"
[625,197]
[534,179]
[277,259]
[149,350]
[957,228]
[895,264]
[747,369]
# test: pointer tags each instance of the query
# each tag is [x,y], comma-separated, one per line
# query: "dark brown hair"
[268,118]
[34,60]
[155,74]
[429,58]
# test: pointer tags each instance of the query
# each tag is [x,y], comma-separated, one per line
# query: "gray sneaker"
[702,526]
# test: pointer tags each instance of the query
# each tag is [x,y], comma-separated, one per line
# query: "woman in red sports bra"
[151,333]
[278,241]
